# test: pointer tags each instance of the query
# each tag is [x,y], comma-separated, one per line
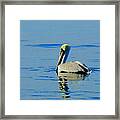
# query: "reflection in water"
[63,85]
[63,82]
[71,76]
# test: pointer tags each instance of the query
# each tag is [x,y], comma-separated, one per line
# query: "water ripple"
[58,45]
[52,79]
[45,45]
[34,70]
[94,69]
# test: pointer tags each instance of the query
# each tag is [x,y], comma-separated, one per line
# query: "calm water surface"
[40,43]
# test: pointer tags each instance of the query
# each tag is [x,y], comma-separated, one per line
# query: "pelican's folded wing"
[70,67]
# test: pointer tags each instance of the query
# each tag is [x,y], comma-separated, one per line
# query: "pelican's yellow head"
[65,47]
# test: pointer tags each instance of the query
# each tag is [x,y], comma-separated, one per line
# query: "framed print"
[59,59]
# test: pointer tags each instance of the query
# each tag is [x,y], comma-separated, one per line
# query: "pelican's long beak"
[61,57]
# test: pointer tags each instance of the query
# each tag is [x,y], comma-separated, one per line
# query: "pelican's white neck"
[64,51]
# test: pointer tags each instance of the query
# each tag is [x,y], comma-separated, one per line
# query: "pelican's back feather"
[73,67]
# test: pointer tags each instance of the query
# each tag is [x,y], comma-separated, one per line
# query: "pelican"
[70,67]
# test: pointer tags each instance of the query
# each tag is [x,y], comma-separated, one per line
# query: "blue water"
[40,41]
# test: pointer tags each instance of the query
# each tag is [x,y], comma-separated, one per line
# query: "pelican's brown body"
[73,67]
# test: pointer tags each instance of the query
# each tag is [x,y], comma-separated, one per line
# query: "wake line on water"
[58,45]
